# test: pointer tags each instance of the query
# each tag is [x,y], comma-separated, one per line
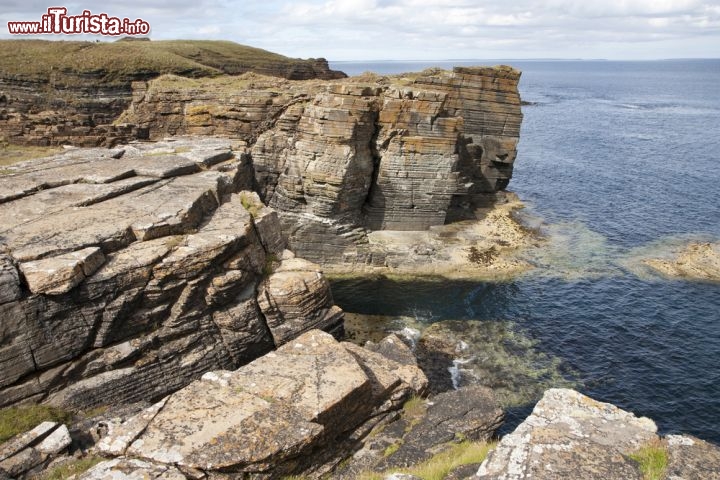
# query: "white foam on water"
[456,371]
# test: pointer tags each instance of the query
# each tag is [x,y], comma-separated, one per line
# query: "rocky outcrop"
[127,273]
[33,449]
[273,417]
[72,92]
[340,158]
[697,261]
[569,435]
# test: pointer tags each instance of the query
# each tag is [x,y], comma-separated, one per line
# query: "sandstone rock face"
[569,435]
[341,157]
[126,273]
[296,298]
[76,90]
[265,418]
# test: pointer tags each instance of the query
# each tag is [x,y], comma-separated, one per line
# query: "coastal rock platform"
[127,273]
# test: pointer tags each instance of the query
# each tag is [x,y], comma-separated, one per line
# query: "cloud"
[426,29]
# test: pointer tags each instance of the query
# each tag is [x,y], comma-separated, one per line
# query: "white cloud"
[425,29]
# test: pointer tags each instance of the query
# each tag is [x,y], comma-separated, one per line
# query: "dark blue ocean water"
[617,161]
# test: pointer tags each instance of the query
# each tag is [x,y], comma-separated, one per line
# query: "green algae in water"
[454,353]
[496,354]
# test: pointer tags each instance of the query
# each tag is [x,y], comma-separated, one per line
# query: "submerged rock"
[697,261]
[495,354]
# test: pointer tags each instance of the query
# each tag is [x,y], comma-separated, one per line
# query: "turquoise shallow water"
[617,161]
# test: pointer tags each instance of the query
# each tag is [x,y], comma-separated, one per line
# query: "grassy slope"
[119,62]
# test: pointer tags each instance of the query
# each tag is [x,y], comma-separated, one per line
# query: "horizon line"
[543,59]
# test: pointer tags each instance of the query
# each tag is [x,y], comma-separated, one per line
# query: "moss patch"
[15,420]
[437,467]
[250,205]
[70,468]
[653,459]
[464,453]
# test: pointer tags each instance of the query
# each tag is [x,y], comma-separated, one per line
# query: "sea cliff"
[342,158]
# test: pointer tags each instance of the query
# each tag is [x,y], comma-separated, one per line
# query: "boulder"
[569,435]
[268,417]
[296,298]
[470,413]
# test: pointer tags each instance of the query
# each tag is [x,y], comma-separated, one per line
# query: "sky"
[422,30]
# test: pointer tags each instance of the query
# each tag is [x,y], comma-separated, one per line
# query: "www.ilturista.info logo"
[57,21]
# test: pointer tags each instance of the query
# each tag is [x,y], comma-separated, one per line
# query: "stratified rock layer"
[71,92]
[339,158]
[269,418]
[126,273]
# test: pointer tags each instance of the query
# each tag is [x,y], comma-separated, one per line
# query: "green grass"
[437,467]
[10,154]
[68,469]
[392,449]
[653,459]
[464,453]
[15,420]
[73,62]
[414,407]
[250,205]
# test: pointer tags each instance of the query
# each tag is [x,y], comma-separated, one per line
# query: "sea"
[618,161]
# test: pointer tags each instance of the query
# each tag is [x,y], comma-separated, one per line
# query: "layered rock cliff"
[54,93]
[126,273]
[340,158]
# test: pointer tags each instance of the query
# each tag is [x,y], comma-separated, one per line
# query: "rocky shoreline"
[318,408]
[180,285]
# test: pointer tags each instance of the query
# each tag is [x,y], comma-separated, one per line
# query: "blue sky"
[425,30]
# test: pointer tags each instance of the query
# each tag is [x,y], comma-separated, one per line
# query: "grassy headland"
[71,63]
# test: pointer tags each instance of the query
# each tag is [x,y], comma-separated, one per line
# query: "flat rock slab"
[315,375]
[60,274]
[569,435]
[264,417]
[131,469]
[271,410]
[209,426]
[690,458]
[697,261]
